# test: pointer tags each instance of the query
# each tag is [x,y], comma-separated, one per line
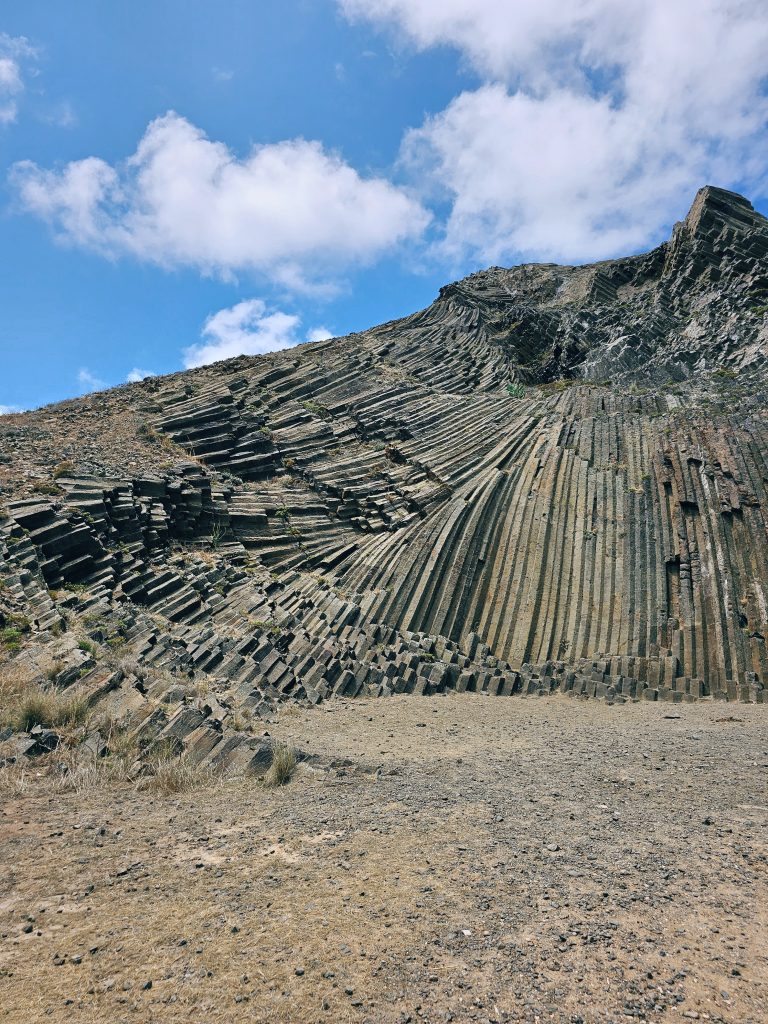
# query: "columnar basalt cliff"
[552,479]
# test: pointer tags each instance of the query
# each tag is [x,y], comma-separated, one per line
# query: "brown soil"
[100,433]
[482,860]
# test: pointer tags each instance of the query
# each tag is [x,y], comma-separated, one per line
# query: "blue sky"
[180,181]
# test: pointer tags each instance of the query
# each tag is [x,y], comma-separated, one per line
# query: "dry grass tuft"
[50,709]
[25,704]
[84,775]
[66,770]
[240,721]
[14,678]
[70,769]
[63,772]
[65,468]
[15,780]
[280,772]
[170,772]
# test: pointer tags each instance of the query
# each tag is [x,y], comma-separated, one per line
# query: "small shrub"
[218,530]
[515,389]
[65,468]
[280,772]
[149,433]
[47,488]
[266,625]
[12,632]
[554,387]
[10,638]
[316,409]
[18,621]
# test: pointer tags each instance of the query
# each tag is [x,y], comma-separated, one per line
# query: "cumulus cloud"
[10,86]
[6,410]
[14,51]
[524,39]
[248,328]
[319,334]
[290,210]
[596,121]
[89,381]
[135,375]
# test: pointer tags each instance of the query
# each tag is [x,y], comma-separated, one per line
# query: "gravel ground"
[480,859]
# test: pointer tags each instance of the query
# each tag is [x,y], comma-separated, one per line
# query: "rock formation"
[552,479]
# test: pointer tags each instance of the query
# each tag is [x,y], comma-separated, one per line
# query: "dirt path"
[497,860]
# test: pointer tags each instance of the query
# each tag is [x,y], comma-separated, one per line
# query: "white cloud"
[10,76]
[61,114]
[248,328]
[136,375]
[504,39]
[6,410]
[567,178]
[290,209]
[319,334]
[70,198]
[14,50]
[597,120]
[89,381]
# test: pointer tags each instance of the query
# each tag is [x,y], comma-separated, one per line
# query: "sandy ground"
[481,860]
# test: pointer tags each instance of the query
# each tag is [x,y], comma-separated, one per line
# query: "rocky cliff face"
[552,479]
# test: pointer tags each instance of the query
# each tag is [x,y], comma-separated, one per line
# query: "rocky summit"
[553,479]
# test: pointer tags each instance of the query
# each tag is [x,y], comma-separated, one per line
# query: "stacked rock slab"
[554,479]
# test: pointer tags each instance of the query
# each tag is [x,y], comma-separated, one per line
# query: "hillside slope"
[552,479]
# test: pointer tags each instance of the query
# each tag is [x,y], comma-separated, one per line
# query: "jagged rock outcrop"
[552,479]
